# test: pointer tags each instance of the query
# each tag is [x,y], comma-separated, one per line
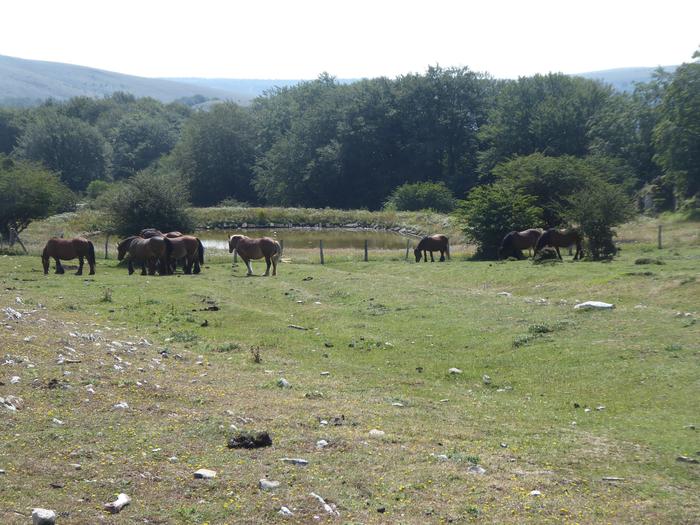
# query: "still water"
[308,238]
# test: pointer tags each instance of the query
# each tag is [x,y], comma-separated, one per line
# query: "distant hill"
[27,82]
[624,78]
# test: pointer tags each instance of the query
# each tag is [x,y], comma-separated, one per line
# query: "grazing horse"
[561,239]
[515,242]
[248,249]
[433,243]
[151,251]
[67,249]
[147,233]
[189,250]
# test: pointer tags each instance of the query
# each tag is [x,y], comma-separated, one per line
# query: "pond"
[309,238]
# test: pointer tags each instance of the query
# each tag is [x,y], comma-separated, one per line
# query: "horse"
[515,242]
[147,233]
[561,239]
[146,251]
[430,244]
[248,249]
[67,249]
[188,249]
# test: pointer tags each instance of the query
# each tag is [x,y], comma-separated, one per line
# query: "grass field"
[571,397]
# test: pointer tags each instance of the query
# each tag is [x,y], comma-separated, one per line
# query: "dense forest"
[323,143]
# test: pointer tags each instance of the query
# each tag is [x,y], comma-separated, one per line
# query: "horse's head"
[122,247]
[233,242]
[417,253]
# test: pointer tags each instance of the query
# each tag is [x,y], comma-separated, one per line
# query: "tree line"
[378,142]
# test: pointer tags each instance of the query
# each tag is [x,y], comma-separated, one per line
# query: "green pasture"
[572,397]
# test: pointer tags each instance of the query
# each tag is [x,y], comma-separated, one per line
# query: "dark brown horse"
[189,250]
[154,252]
[147,233]
[67,249]
[515,242]
[432,243]
[561,239]
[248,249]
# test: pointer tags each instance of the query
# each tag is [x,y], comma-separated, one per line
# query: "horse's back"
[433,242]
[257,248]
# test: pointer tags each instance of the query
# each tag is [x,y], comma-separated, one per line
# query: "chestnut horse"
[248,249]
[67,249]
[430,244]
[561,239]
[152,251]
[513,243]
[188,249]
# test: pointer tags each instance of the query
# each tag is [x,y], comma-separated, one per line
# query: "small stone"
[173,459]
[594,305]
[283,383]
[295,461]
[613,478]
[204,473]
[266,484]
[43,517]
[57,421]
[504,445]
[686,459]
[442,457]
[397,404]
[15,379]
[284,511]
[535,493]
[454,371]
[600,407]
[122,405]
[476,469]
[505,294]
[321,443]
[375,433]
[486,379]
[325,373]
[76,466]
[323,423]
[117,505]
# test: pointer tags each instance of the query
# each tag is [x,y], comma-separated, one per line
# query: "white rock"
[505,294]
[321,443]
[204,473]
[323,423]
[76,466]
[535,493]
[266,484]
[330,509]
[295,461]
[397,404]
[375,433]
[284,511]
[486,379]
[594,305]
[283,383]
[476,469]
[43,517]
[57,421]
[454,371]
[122,405]
[442,457]
[600,407]
[118,504]
[325,373]
[15,379]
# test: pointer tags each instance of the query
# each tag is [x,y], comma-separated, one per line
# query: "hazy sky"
[349,39]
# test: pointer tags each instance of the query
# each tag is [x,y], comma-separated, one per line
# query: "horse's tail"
[200,251]
[91,253]
[278,252]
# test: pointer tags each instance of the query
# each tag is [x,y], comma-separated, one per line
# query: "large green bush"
[490,212]
[148,199]
[421,196]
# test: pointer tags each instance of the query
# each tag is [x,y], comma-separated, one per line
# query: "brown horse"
[433,243]
[147,233]
[248,249]
[189,250]
[67,249]
[561,239]
[513,243]
[154,251]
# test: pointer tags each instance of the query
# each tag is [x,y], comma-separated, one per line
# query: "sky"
[299,39]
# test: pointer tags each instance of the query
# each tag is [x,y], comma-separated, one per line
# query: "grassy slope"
[641,363]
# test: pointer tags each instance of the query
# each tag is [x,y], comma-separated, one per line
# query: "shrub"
[421,196]
[148,199]
[490,212]
[596,209]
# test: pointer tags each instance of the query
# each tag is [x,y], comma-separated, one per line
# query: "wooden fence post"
[366,258]
[320,247]
[408,244]
[107,247]
[659,244]
[281,247]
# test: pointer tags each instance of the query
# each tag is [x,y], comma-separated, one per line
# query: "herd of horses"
[155,251]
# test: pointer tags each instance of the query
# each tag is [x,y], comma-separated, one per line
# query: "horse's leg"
[558,254]
[197,268]
[187,265]
[250,268]
[131,266]
[143,267]
[268,262]
[81,262]
[432,259]
[274,264]
[59,268]
[442,256]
